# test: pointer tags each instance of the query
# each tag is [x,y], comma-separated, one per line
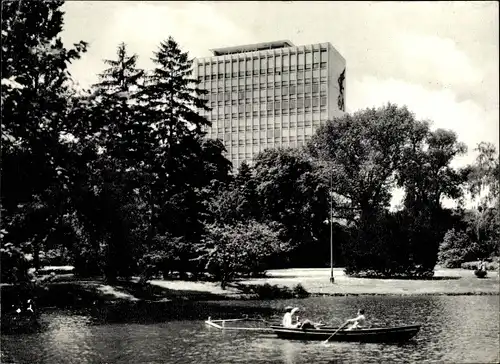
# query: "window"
[323,101]
[286,60]
[309,58]
[285,91]
[316,56]
[293,60]
[307,102]
[285,105]
[300,103]
[315,102]
[277,105]
[323,65]
[301,59]
[308,89]
[263,63]
[292,90]
[300,89]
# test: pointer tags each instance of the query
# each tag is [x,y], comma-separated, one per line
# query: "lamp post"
[332,280]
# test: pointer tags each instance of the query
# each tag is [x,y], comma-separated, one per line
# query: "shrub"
[456,248]
[475,264]
[480,273]
[300,292]
[267,291]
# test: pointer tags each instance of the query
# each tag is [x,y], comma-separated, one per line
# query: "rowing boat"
[385,335]
[372,334]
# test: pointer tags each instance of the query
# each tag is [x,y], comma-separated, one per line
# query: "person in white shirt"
[358,322]
[288,317]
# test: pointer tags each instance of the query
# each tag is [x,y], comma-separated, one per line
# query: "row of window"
[298,103]
[255,72]
[270,61]
[240,152]
[263,113]
[304,129]
[256,94]
[240,131]
[256,87]
[262,78]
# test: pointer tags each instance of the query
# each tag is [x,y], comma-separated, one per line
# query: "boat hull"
[371,335]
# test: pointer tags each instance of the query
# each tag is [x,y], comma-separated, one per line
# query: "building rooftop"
[252,47]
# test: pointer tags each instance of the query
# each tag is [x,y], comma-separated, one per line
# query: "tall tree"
[363,151]
[173,101]
[427,176]
[290,192]
[484,174]
[35,94]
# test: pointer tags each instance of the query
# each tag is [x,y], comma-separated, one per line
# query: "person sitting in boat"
[288,318]
[357,322]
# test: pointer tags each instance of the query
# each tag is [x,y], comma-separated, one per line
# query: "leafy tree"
[484,174]
[35,95]
[230,250]
[290,192]
[427,176]
[456,249]
[364,151]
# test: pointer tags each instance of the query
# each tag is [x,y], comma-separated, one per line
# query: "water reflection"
[456,330]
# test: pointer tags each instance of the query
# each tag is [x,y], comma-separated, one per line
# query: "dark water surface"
[456,329]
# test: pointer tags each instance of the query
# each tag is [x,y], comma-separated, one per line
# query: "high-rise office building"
[270,94]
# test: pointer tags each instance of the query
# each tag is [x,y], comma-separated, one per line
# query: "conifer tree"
[171,103]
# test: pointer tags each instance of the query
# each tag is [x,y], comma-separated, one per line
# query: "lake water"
[456,329]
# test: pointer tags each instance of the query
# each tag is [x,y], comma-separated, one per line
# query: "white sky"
[441,59]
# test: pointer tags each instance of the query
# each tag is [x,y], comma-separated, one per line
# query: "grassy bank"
[317,283]
[69,291]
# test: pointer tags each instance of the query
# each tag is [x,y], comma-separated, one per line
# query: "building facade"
[269,95]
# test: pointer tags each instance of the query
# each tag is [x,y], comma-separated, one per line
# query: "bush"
[300,292]
[475,264]
[480,273]
[267,291]
[456,248]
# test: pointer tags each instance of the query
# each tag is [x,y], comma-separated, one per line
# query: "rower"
[287,318]
[357,322]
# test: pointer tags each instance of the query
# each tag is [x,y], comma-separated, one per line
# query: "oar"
[341,327]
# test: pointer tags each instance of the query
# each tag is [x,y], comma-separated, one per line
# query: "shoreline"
[68,291]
